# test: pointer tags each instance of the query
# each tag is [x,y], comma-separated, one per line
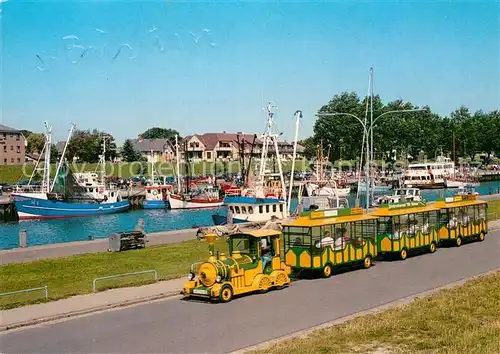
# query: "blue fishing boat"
[64,197]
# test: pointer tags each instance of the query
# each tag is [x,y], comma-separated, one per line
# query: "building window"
[12,148]
[18,137]
[5,148]
[209,155]
[12,160]
[18,160]
[18,149]
[5,161]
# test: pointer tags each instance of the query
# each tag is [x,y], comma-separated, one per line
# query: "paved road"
[67,249]
[177,326]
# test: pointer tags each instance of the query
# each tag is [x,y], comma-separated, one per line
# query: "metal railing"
[44,288]
[124,275]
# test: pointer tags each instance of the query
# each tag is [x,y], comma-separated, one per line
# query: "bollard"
[23,237]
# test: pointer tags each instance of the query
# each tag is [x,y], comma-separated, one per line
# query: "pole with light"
[298,115]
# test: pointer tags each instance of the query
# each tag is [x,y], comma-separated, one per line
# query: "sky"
[296,54]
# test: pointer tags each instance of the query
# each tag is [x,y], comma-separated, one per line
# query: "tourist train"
[324,240]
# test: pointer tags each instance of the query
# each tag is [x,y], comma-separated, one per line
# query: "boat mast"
[152,169]
[61,160]
[178,164]
[46,165]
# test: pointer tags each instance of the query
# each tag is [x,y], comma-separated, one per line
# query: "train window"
[296,236]
[261,209]
[403,223]
[463,219]
[482,211]
[385,225]
[444,217]
[243,210]
[250,210]
[471,212]
[237,209]
[396,227]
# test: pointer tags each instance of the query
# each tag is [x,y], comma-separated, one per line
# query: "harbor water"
[40,232]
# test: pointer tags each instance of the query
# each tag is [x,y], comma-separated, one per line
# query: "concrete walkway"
[83,304]
[66,249]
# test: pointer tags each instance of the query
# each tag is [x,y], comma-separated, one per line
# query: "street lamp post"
[368,130]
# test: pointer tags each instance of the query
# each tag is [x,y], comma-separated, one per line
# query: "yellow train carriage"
[462,217]
[406,227]
[321,240]
[247,269]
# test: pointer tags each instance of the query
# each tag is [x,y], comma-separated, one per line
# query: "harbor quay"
[66,249]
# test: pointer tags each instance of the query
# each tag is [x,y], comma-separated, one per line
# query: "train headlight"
[190,276]
[218,279]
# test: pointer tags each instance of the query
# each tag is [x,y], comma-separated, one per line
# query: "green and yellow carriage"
[462,217]
[322,240]
[406,227]
[245,270]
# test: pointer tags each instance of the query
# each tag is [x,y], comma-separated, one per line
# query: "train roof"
[394,209]
[258,233]
[329,217]
[459,201]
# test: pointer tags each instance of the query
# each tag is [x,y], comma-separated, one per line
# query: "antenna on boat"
[61,160]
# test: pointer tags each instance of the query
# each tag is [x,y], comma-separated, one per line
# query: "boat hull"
[222,220]
[155,204]
[176,202]
[30,208]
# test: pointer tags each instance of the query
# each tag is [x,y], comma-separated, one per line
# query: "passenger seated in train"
[412,230]
[425,227]
[464,218]
[395,234]
[453,221]
[326,241]
[341,238]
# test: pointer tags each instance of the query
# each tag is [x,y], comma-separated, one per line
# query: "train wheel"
[226,294]
[280,281]
[458,241]
[327,271]
[264,284]
[367,263]
[403,254]
[432,247]
[481,237]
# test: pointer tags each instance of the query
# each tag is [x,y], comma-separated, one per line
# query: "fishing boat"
[65,197]
[187,197]
[265,198]
[334,186]
[156,193]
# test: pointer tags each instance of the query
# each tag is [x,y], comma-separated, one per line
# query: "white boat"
[264,198]
[429,175]
[157,194]
[400,195]
[377,188]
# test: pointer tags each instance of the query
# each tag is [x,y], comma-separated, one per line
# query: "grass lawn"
[494,210]
[464,319]
[73,275]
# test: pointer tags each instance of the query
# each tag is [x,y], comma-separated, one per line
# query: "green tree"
[160,133]
[128,153]
[36,142]
[88,146]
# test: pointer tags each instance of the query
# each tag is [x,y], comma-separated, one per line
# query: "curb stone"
[71,314]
